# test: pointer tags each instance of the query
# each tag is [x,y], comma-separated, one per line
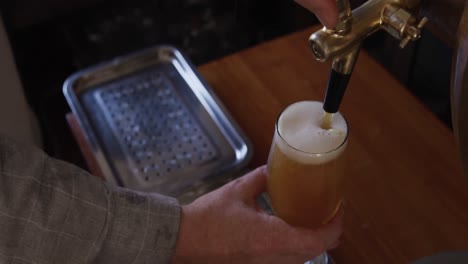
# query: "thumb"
[253,183]
[325,10]
[329,234]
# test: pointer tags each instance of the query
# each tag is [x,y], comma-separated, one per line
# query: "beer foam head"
[300,128]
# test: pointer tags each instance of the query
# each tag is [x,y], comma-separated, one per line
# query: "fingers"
[335,245]
[303,240]
[318,241]
[330,233]
[307,241]
[325,10]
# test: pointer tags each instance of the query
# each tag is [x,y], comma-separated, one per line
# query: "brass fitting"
[343,42]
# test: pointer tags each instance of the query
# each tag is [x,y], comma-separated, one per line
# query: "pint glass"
[306,166]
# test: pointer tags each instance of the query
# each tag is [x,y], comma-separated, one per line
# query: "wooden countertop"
[406,195]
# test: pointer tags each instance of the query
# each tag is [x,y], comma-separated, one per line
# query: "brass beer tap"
[342,43]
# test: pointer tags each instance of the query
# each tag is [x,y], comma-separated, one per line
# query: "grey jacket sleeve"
[54,212]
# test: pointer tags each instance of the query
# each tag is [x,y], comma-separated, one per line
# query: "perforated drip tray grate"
[156,130]
[154,125]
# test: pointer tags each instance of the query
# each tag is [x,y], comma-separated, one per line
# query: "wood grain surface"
[406,195]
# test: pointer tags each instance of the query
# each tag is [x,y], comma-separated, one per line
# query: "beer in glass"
[306,165]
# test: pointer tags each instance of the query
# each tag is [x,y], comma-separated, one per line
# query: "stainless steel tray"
[155,125]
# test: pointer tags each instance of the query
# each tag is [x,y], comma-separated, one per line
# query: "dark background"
[52,39]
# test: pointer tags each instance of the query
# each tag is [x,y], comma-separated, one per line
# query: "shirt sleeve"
[54,212]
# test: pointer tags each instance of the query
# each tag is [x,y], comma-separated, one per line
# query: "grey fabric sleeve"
[54,212]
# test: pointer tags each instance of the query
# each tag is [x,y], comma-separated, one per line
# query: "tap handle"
[336,88]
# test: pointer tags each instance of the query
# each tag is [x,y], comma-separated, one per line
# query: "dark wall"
[54,38]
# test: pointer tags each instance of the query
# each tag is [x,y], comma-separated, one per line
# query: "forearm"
[54,212]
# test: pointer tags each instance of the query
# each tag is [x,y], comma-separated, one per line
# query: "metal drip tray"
[154,125]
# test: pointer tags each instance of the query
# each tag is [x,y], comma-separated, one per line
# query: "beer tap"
[343,43]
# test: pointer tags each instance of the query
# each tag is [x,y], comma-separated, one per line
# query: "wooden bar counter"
[406,194]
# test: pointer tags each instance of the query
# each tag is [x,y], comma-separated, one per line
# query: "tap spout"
[342,43]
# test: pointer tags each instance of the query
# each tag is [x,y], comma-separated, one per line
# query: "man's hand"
[325,10]
[227,226]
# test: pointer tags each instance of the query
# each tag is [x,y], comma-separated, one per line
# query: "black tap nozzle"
[336,88]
